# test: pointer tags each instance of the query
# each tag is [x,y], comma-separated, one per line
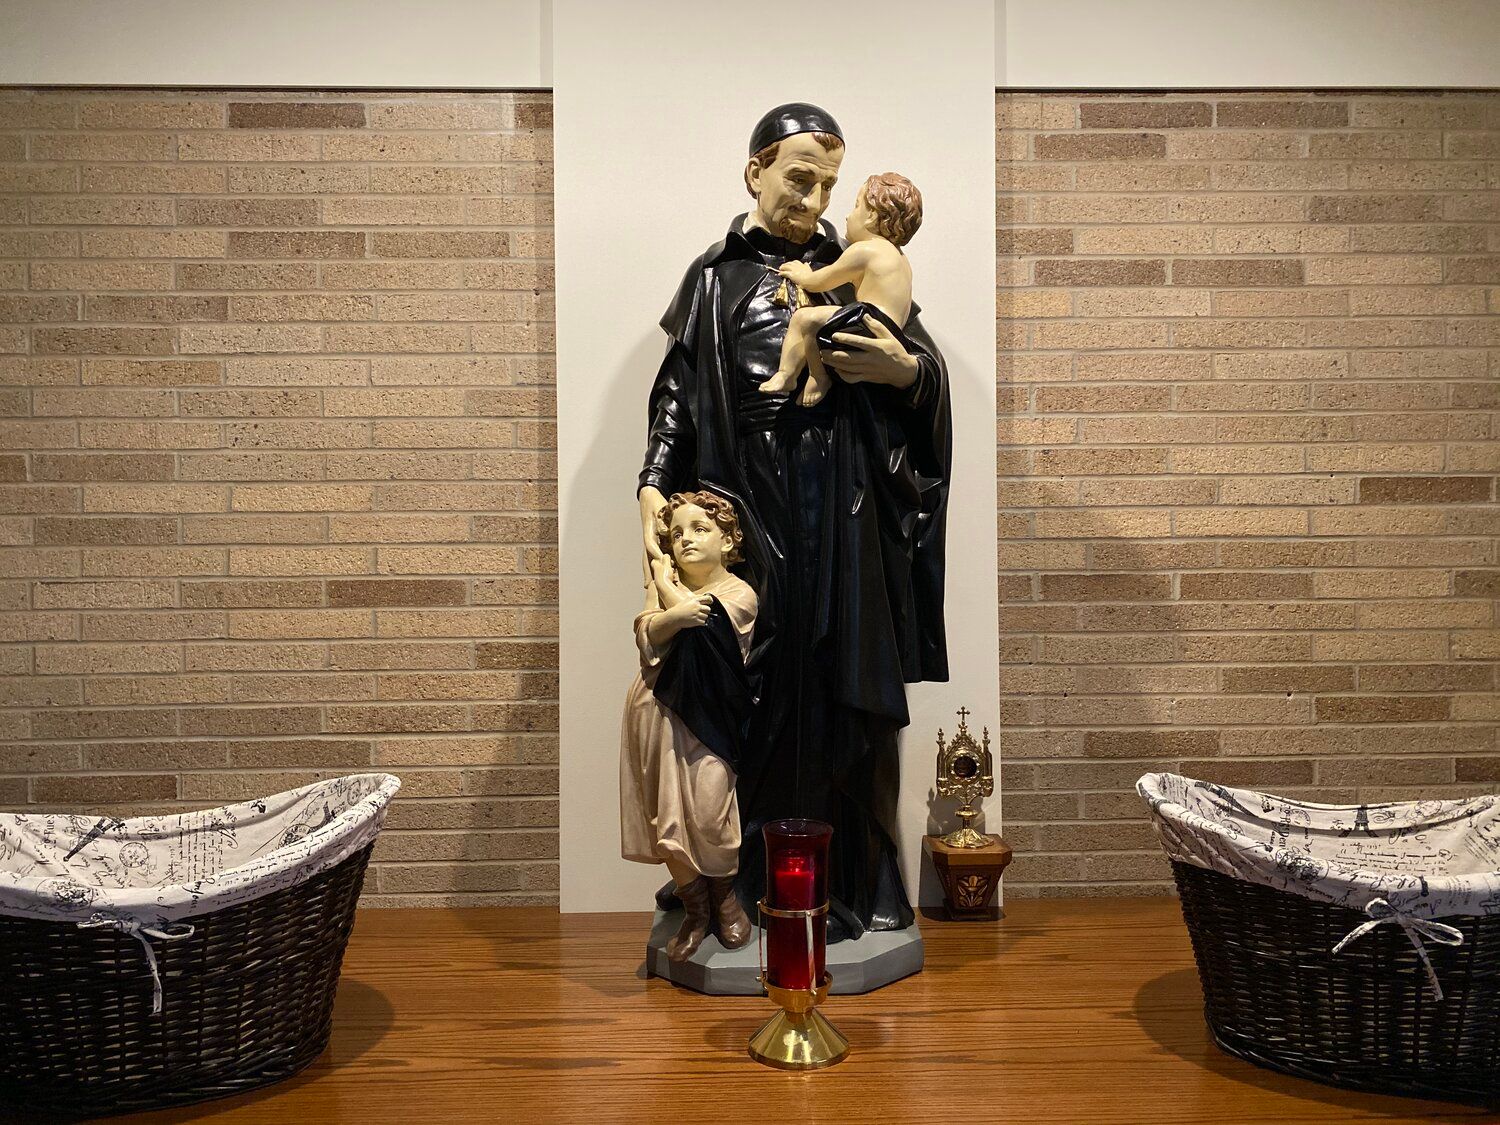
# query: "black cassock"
[843,507]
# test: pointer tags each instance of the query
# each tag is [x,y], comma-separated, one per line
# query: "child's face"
[696,540]
[860,224]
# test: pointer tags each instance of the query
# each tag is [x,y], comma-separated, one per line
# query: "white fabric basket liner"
[1424,859]
[153,871]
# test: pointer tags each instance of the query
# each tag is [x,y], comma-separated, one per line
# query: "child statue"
[887,213]
[685,717]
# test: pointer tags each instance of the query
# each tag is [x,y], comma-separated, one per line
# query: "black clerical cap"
[788,120]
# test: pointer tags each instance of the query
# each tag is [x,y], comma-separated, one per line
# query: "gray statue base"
[872,962]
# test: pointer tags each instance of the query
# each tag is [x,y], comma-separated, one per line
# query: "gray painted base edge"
[875,960]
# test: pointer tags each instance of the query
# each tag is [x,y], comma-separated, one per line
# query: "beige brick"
[247,212]
[93,210]
[297,179]
[397,338]
[247,275]
[103,341]
[165,310]
[1236,207]
[447,244]
[77,659]
[153,244]
[1240,522]
[1281,238]
[304,624]
[1226,273]
[241,656]
[250,338]
[245,529]
[1258,113]
[246,147]
[1099,146]
[473,112]
[296,244]
[1416,175]
[140,113]
[1113,175]
[155,561]
[26,109]
[392,275]
[102,146]
[1208,144]
[1217,333]
[394,211]
[296,115]
[1284,303]
[296,372]
[255,402]
[96,276]
[1139,302]
[290,561]
[123,594]
[1424,614]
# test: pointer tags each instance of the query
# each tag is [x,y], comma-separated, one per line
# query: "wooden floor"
[1074,1012]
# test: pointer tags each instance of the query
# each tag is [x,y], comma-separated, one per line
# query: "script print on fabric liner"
[157,870]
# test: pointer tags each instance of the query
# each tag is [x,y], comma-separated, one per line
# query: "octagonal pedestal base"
[875,960]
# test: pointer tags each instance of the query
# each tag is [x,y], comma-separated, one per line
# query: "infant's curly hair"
[897,206]
[720,510]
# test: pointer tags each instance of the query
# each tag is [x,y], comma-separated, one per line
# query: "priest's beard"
[796,228]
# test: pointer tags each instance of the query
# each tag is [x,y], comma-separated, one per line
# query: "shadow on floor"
[362,1016]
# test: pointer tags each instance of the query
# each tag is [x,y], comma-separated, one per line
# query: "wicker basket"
[1357,946]
[170,959]
[248,1000]
[1275,995]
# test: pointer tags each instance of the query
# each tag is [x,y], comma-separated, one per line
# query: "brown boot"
[734,927]
[695,923]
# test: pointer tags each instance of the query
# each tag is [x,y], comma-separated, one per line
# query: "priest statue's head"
[795,153]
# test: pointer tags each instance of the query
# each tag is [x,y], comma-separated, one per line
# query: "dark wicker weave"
[248,1000]
[1275,995]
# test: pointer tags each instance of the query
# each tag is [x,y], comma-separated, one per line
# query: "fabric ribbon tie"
[143,934]
[1381,911]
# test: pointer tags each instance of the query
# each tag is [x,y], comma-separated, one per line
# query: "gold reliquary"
[966,771]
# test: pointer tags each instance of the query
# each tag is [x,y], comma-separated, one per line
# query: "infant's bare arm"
[849,268]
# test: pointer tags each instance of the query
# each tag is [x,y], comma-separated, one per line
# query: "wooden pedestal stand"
[970,876]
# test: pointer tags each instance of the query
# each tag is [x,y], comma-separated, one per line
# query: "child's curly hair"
[719,510]
[897,206]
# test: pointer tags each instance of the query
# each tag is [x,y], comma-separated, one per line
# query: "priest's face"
[792,192]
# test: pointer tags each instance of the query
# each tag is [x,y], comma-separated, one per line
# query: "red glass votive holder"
[796,881]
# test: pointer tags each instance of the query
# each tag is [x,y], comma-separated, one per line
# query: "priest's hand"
[866,359]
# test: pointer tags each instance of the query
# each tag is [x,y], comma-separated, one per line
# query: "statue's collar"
[823,247]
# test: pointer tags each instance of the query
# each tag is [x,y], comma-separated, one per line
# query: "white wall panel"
[1246,44]
[653,114]
[474,44]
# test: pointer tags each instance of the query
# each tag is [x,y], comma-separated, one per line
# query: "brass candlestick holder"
[965,770]
[798,1037]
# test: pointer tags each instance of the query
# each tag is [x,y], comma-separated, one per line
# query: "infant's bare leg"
[795,347]
[818,378]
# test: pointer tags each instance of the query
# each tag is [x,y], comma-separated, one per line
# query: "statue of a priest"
[842,505]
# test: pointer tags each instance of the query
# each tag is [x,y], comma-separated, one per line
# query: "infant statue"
[685,717]
[887,213]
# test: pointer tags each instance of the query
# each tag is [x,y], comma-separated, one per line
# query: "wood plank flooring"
[1077,1012]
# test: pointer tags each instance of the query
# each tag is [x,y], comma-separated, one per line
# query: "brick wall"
[1248,449]
[276,432]
[277,480]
